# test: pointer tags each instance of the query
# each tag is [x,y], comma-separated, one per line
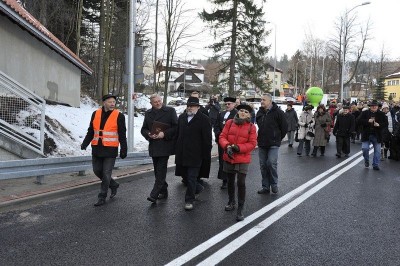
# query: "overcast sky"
[294,19]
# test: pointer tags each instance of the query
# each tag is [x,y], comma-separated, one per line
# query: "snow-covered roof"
[182,65]
[394,75]
[16,12]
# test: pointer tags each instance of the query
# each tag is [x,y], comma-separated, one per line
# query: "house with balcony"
[392,86]
[185,77]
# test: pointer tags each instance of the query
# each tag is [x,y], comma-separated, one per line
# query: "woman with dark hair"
[322,120]
[238,139]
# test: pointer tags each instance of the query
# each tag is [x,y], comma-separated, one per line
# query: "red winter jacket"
[244,136]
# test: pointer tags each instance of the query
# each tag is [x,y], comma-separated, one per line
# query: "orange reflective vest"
[109,134]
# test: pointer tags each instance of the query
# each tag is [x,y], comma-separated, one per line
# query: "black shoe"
[290,145]
[153,200]
[299,154]
[230,206]
[239,215]
[322,154]
[346,155]
[224,185]
[338,155]
[274,189]
[263,191]
[163,195]
[366,164]
[313,155]
[100,202]
[114,191]
[376,168]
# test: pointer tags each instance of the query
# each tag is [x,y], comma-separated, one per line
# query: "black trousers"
[102,168]
[160,172]
[342,145]
[241,184]
[221,174]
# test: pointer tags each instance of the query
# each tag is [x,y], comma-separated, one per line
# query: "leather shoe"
[224,185]
[163,195]
[100,202]
[274,189]
[153,200]
[376,168]
[230,206]
[263,191]
[114,191]
[366,164]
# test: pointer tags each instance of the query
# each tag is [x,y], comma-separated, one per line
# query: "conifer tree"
[379,92]
[239,31]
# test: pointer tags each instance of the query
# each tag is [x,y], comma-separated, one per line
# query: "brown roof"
[25,19]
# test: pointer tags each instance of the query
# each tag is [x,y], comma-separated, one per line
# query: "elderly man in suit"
[193,148]
[229,113]
[161,142]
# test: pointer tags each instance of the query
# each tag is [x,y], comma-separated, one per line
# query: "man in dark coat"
[272,128]
[161,142]
[229,113]
[106,132]
[193,148]
[213,108]
[372,121]
[292,121]
[344,128]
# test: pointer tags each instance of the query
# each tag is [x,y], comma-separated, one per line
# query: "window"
[389,83]
[397,82]
[393,95]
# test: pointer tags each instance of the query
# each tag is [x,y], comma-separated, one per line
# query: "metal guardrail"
[49,166]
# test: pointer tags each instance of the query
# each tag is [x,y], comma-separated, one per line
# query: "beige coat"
[319,119]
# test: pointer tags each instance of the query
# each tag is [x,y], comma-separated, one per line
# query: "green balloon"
[314,96]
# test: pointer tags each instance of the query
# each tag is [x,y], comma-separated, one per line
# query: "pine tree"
[239,32]
[379,92]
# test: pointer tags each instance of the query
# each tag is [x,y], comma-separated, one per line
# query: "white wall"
[37,67]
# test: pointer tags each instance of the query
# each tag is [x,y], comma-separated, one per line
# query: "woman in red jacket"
[238,139]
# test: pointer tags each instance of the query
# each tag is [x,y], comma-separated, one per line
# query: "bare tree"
[349,44]
[177,22]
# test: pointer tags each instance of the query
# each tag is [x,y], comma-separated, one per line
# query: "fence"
[49,166]
[22,114]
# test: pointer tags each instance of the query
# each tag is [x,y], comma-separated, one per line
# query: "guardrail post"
[81,173]
[39,179]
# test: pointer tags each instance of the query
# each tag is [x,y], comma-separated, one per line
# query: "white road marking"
[251,233]
[236,227]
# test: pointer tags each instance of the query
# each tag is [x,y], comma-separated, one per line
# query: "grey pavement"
[22,191]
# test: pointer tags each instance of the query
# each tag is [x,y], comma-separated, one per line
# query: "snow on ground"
[76,122]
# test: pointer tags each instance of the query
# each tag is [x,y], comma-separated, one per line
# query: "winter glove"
[123,154]
[235,148]
[323,125]
[229,151]
[83,147]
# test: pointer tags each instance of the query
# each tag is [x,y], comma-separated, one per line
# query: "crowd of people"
[189,137]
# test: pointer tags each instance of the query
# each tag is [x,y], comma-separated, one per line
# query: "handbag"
[296,136]
[310,134]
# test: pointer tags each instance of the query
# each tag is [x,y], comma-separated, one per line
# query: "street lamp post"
[184,76]
[343,52]
[274,62]
[131,84]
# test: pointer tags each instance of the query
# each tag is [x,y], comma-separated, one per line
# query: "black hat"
[193,101]
[308,107]
[245,106]
[107,96]
[373,103]
[229,99]
[346,107]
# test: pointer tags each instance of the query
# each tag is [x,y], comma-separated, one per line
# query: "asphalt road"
[328,211]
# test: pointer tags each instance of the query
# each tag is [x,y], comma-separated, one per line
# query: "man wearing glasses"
[272,128]
[228,113]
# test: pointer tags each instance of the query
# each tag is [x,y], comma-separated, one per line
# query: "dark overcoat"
[165,146]
[368,128]
[272,126]
[220,123]
[193,145]
[345,125]
[291,119]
